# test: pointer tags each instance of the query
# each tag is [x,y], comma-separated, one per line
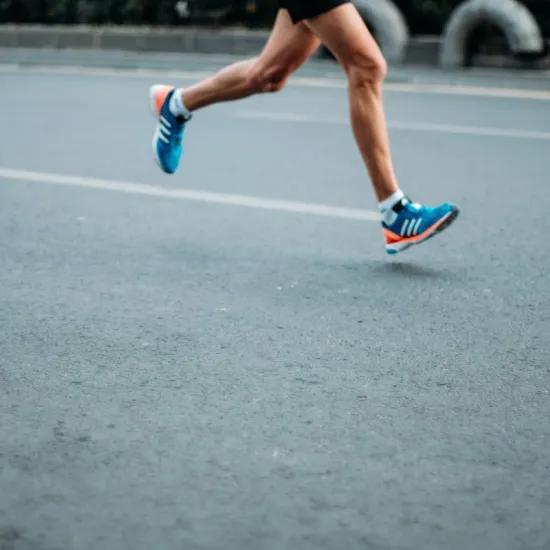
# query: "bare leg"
[287,48]
[343,31]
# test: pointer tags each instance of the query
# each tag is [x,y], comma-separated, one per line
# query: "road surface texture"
[226,359]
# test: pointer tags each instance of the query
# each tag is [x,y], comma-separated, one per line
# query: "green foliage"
[89,11]
[423,16]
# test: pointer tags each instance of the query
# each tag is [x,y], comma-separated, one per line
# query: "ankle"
[386,206]
[177,105]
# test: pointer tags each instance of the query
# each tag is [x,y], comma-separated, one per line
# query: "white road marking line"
[469,130]
[76,70]
[430,88]
[190,194]
[396,125]
[282,116]
[297,81]
[467,90]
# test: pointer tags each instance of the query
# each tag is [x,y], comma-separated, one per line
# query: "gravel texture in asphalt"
[182,374]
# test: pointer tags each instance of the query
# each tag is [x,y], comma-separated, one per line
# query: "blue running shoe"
[168,138]
[413,223]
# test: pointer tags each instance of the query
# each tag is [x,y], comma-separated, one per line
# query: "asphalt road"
[185,374]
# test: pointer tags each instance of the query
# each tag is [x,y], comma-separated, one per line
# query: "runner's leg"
[287,48]
[343,31]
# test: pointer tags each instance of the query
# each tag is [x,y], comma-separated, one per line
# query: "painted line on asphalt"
[76,70]
[431,88]
[396,125]
[296,81]
[13,175]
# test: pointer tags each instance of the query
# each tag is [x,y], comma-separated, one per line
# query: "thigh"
[289,44]
[343,31]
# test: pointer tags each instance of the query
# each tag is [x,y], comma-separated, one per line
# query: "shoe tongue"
[400,204]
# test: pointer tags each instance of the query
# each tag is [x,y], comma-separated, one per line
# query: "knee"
[263,79]
[366,70]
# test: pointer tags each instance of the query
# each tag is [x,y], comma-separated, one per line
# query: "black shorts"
[306,9]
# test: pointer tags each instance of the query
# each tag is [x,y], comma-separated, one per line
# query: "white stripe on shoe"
[161,136]
[166,122]
[404,227]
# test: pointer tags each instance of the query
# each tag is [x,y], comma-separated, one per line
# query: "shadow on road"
[403,270]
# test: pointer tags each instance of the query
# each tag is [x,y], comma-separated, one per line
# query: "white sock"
[176,105]
[385,206]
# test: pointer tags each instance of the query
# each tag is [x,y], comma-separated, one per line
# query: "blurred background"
[423,18]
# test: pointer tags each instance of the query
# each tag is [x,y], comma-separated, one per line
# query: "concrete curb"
[239,41]
[420,50]
[512,17]
[155,39]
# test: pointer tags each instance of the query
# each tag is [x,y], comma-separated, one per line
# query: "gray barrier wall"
[383,17]
[512,17]
[389,26]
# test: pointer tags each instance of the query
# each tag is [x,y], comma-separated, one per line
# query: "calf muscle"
[343,31]
[287,48]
